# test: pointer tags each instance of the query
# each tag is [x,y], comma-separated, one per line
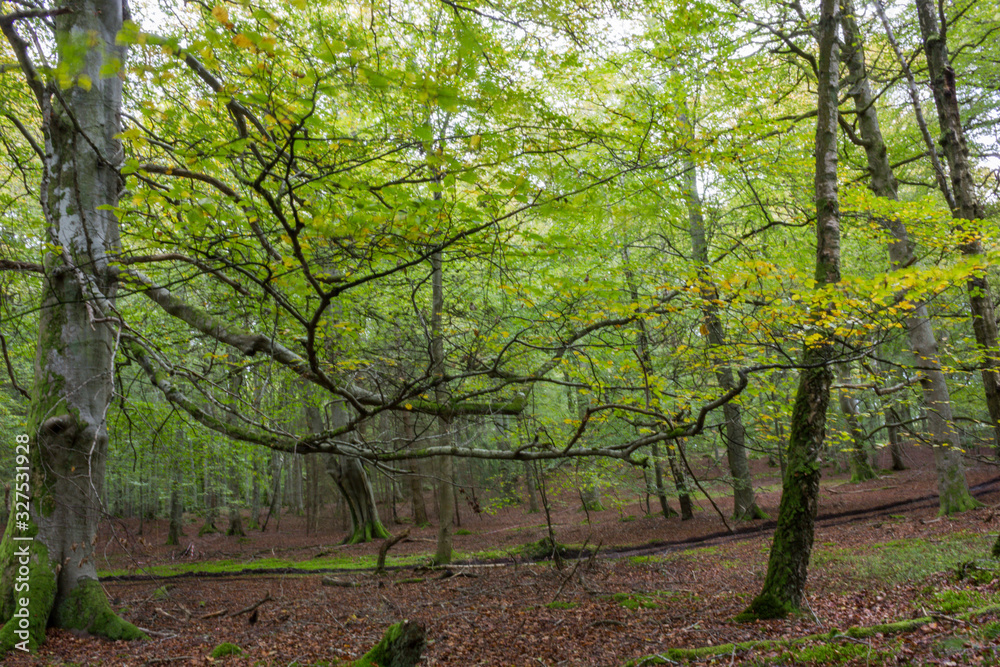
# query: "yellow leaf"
[408,406]
[221,14]
[243,41]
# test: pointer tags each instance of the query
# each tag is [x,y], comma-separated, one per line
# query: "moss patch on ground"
[903,560]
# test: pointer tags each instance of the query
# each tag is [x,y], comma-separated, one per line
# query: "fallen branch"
[247,610]
[214,614]
[331,581]
[168,614]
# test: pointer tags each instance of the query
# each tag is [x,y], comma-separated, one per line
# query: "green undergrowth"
[902,560]
[801,650]
[653,600]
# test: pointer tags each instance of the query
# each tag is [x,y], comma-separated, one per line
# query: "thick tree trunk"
[968,207]
[349,475]
[953,489]
[52,539]
[744,502]
[784,585]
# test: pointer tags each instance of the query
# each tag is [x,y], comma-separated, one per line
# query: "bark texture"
[967,205]
[784,585]
[75,354]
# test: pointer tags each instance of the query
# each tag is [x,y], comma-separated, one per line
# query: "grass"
[903,560]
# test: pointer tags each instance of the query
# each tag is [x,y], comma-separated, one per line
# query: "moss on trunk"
[400,646]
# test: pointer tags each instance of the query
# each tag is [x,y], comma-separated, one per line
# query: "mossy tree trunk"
[788,563]
[349,474]
[953,489]
[77,341]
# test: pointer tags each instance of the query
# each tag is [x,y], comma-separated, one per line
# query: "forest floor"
[881,555]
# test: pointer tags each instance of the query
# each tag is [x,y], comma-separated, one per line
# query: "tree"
[788,563]
[79,328]
[953,488]
[933,28]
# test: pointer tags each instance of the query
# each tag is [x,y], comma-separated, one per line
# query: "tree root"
[674,655]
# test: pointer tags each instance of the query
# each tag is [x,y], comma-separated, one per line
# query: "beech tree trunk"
[953,489]
[787,567]
[968,207]
[744,501]
[349,474]
[77,341]
[175,531]
[861,467]
[416,473]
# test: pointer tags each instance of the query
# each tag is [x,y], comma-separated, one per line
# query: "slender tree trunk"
[176,529]
[446,487]
[744,502]
[953,489]
[235,527]
[529,484]
[74,362]
[255,496]
[660,490]
[784,585]
[968,207]
[861,467]
[680,480]
[416,476]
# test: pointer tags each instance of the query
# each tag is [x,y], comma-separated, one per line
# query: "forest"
[588,332]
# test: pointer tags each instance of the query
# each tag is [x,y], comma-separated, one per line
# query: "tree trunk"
[953,489]
[744,502]
[255,493]
[349,475]
[861,467]
[53,541]
[446,502]
[211,500]
[680,480]
[590,497]
[660,490]
[529,483]
[416,474]
[176,529]
[894,418]
[968,207]
[784,585]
